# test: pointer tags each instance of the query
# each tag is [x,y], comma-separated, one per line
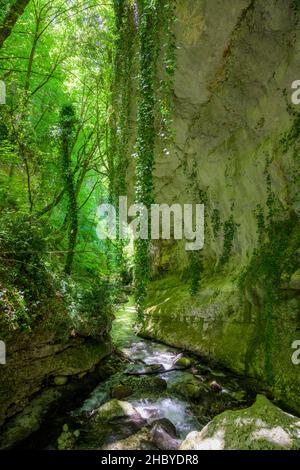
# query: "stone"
[114,409]
[187,386]
[159,384]
[183,363]
[164,434]
[167,425]
[225,139]
[141,440]
[121,391]
[33,357]
[215,386]
[29,420]
[137,369]
[60,380]
[162,440]
[263,426]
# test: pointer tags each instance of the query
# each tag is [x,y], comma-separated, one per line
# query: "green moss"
[229,229]
[270,262]
[196,268]
[114,409]
[154,17]
[216,222]
[263,426]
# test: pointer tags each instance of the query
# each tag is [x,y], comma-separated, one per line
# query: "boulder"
[187,386]
[141,440]
[182,363]
[60,380]
[121,391]
[263,426]
[215,386]
[115,409]
[163,434]
[138,369]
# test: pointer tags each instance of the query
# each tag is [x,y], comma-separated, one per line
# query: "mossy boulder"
[187,386]
[60,380]
[142,440]
[183,363]
[114,409]
[263,426]
[121,391]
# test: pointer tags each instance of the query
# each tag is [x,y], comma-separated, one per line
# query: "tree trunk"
[14,13]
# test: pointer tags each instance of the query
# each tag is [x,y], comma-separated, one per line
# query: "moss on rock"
[263,426]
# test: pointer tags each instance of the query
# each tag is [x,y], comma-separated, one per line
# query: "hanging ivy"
[156,41]
[122,95]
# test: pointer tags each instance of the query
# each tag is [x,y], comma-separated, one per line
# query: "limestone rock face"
[236,149]
[33,358]
[29,420]
[262,426]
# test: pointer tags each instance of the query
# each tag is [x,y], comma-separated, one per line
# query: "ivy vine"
[155,20]
[229,229]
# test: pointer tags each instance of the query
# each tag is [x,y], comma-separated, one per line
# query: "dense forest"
[125,342]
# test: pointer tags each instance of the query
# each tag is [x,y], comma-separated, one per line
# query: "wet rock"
[94,401]
[209,370]
[145,384]
[121,391]
[263,426]
[115,409]
[60,380]
[33,358]
[142,440]
[161,437]
[25,423]
[114,421]
[187,386]
[182,363]
[164,435]
[167,425]
[215,386]
[159,384]
[144,370]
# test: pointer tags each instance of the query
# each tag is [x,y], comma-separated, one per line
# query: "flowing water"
[165,399]
[192,396]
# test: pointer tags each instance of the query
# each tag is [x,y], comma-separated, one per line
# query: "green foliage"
[195,270]
[270,194]
[229,229]
[32,292]
[67,439]
[68,120]
[54,169]
[155,18]
[23,272]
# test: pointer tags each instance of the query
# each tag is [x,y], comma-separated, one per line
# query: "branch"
[15,11]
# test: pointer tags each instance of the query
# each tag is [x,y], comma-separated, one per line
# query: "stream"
[152,397]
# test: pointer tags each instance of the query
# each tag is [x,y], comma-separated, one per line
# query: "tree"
[14,12]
